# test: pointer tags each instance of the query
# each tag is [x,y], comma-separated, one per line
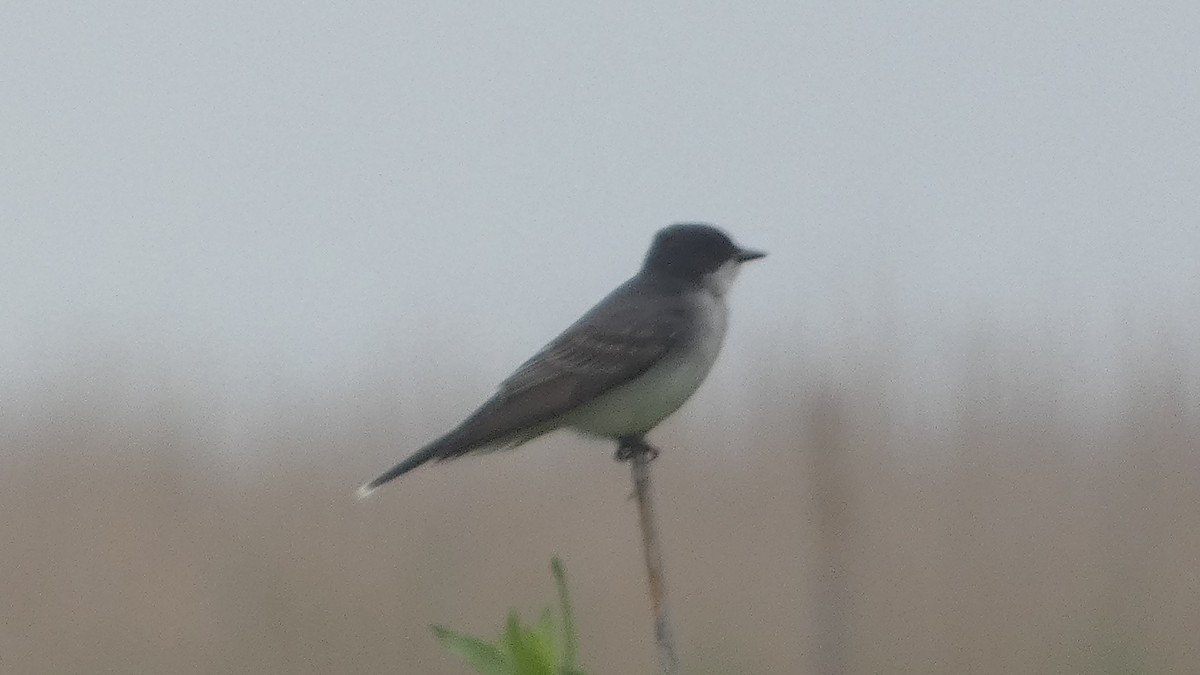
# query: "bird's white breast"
[639,405]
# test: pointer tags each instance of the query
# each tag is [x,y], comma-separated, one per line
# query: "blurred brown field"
[809,528]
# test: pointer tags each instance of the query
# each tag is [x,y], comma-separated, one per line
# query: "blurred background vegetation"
[816,520]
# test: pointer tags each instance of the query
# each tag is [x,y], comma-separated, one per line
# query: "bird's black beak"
[747,254]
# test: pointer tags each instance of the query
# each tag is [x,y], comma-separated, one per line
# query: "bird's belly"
[639,405]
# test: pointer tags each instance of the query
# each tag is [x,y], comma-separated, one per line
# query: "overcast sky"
[293,189]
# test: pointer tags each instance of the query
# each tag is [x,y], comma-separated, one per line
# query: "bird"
[627,364]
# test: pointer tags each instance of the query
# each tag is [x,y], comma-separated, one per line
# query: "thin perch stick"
[640,468]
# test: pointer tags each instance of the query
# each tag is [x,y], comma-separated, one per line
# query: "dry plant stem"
[640,466]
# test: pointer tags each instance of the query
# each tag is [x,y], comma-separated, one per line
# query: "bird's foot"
[631,447]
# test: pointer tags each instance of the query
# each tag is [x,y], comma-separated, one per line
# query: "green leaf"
[570,646]
[548,633]
[484,657]
[528,656]
[545,648]
[541,645]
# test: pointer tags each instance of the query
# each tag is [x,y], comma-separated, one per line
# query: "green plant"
[543,648]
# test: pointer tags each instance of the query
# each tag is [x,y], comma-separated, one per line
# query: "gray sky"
[292,190]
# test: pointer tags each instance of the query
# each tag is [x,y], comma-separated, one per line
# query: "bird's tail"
[414,460]
[483,431]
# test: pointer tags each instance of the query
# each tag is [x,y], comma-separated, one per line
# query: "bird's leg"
[629,447]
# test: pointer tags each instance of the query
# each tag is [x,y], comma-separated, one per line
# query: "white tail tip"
[364,491]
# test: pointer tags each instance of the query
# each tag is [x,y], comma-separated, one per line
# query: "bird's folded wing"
[619,339]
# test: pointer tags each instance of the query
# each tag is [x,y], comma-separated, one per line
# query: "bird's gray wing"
[617,340]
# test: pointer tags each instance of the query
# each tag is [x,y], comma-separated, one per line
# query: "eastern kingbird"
[623,367]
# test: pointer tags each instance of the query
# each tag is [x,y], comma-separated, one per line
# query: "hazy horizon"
[280,194]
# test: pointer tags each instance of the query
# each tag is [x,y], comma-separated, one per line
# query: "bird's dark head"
[698,253]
